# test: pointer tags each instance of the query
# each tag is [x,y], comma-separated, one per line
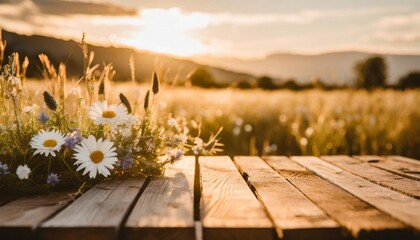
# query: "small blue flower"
[126,162]
[4,169]
[175,154]
[72,139]
[43,117]
[53,179]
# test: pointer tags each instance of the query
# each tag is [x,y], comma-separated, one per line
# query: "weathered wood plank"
[405,159]
[19,219]
[362,220]
[97,214]
[229,209]
[379,176]
[394,203]
[165,209]
[293,214]
[403,168]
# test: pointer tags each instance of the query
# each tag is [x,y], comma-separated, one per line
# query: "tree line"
[370,73]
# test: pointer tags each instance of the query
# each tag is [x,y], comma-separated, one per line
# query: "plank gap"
[21,218]
[402,166]
[197,190]
[165,210]
[376,175]
[229,208]
[130,208]
[97,213]
[293,214]
[359,218]
[396,204]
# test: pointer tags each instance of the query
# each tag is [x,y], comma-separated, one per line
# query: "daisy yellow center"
[50,143]
[97,156]
[109,114]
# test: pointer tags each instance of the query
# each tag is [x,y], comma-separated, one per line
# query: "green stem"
[49,166]
[71,169]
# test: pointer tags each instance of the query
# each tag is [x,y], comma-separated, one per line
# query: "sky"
[225,28]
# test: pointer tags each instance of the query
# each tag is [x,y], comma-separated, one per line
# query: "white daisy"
[47,142]
[23,172]
[95,156]
[101,113]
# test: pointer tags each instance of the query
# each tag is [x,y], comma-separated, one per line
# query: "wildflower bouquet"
[69,139]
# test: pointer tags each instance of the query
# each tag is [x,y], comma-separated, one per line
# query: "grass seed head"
[146,100]
[101,90]
[155,86]
[50,101]
[126,103]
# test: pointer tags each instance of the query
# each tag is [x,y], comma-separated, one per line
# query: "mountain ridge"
[331,67]
[335,68]
[70,53]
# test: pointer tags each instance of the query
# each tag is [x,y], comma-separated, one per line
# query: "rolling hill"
[70,53]
[332,68]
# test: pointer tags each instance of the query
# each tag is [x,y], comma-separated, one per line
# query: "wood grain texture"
[362,220]
[405,159]
[165,210]
[396,204]
[229,209]
[20,218]
[293,214]
[376,175]
[396,165]
[97,214]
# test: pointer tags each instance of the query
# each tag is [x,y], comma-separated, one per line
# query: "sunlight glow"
[167,31]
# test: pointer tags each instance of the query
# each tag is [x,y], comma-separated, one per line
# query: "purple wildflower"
[53,179]
[4,169]
[72,139]
[126,162]
[175,154]
[43,117]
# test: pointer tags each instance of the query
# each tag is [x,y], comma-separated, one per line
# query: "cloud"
[402,28]
[301,17]
[399,20]
[175,31]
[64,7]
[392,37]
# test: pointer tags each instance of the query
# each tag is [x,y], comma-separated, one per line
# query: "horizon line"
[223,56]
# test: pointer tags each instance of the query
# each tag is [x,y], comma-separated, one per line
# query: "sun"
[168,31]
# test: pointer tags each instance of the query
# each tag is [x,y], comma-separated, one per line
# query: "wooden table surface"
[214,198]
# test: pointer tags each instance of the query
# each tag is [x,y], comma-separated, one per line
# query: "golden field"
[283,122]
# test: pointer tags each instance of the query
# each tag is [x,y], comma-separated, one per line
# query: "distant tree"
[371,73]
[266,83]
[317,83]
[244,84]
[291,84]
[202,78]
[411,80]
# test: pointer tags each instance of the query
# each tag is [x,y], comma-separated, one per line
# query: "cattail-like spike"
[155,86]
[146,100]
[101,90]
[126,103]
[50,101]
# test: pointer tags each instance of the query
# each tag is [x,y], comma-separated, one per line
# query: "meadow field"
[283,122]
